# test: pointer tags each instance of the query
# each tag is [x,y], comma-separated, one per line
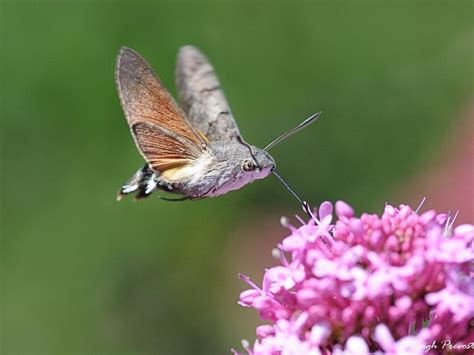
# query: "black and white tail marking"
[144,181]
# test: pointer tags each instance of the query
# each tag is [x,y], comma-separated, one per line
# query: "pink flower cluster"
[400,283]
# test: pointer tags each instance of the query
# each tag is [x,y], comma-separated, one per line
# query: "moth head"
[257,162]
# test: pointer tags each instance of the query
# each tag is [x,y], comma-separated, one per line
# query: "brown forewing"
[162,133]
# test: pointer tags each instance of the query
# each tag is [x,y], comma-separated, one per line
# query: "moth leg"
[200,197]
[174,199]
[168,187]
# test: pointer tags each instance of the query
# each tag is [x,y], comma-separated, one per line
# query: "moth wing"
[160,130]
[202,97]
[162,148]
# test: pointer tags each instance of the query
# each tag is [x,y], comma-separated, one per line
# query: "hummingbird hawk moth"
[195,150]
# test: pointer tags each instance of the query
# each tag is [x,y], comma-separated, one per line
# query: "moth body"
[223,167]
[195,150]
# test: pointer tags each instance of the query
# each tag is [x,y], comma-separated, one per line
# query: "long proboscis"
[288,133]
[303,203]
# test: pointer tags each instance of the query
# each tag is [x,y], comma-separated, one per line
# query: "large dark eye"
[248,165]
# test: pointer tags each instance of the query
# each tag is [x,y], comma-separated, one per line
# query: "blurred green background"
[82,273]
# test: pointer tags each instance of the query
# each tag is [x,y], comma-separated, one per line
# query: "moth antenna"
[288,133]
[241,141]
[303,203]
